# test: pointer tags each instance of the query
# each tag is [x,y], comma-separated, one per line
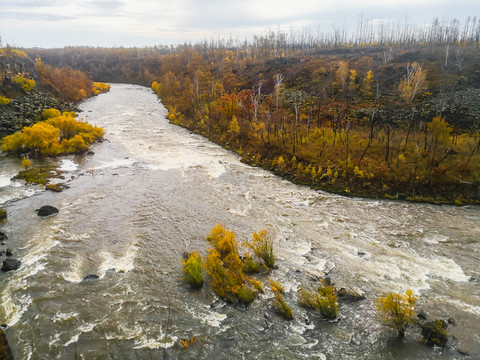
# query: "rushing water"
[153,189]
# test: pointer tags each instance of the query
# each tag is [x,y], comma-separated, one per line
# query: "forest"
[387,112]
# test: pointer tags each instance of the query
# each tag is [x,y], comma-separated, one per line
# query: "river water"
[152,190]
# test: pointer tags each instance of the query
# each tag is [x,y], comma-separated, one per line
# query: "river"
[152,190]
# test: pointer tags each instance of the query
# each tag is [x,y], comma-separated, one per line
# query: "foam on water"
[5,179]
[81,330]
[75,274]
[67,165]
[207,316]
[121,263]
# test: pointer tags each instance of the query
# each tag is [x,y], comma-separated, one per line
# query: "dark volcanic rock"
[5,351]
[349,295]
[11,264]
[47,210]
[91,277]
[435,332]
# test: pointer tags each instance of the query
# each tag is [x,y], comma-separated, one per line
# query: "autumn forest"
[390,114]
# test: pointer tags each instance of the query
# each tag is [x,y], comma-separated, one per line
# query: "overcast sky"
[58,23]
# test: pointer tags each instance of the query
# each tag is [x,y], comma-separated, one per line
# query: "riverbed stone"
[3,236]
[91,277]
[3,213]
[47,210]
[5,351]
[9,252]
[349,295]
[435,332]
[10,264]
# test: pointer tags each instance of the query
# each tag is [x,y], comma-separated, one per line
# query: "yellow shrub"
[69,113]
[223,240]
[50,113]
[99,87]
[26,84]
[26,163]
[4,100]
[397,310]
[262,245]
[324,299]
[193,269]
[54,136]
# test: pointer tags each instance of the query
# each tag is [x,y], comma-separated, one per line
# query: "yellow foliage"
[223,240]
[397,310]
[54,136]
[276,286]
[70,113]
[50,113]
[4,100]
[155,86]
[324,299]
[99,87]
[281,306]
[26,163]
[26,84]
[193,269]
[262,246]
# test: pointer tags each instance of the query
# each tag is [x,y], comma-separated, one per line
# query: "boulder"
[3,213]
[47,210]
[3,236]
[5,351]
[10,264]
[435,332]
[91,277]
[349,295]
[9,252]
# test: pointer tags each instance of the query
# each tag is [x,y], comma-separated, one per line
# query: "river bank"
[457,193]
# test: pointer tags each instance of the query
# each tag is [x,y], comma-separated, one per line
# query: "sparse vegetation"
[193,269]
[262,245]
[324,299]
[397,310]
[281,306]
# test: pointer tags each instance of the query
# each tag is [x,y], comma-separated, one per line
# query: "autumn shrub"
[276,285]
[26,163]
[27,85]
[324,299]
[262,245]
[50,113]
[223,240]
[99,88]
[226,275]
[246,295]
[4,100]
[281,306]
[70,113]
[251,266]
[193,269]
[54,136]
[257,285]
[397,310]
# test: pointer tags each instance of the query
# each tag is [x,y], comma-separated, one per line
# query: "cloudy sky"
[58,23]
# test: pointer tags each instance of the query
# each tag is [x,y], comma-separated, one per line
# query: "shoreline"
[456,199]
